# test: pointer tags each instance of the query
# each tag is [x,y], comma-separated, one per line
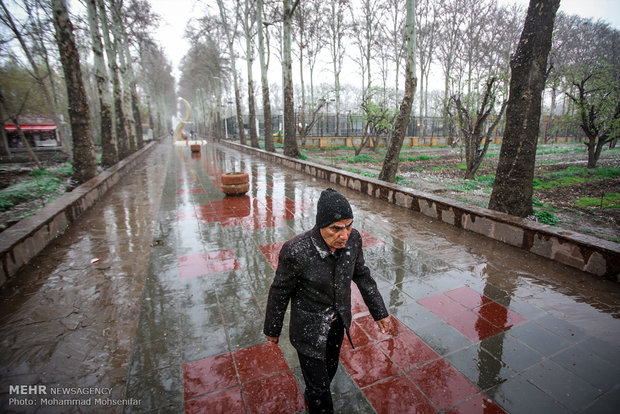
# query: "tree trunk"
[126,100]
[119,114]
[251,98]
[390,164]
[290,139]
[513,187]
[264,66]
[5,150]
[84,164]
[230,41]
[135,99]
[109,152]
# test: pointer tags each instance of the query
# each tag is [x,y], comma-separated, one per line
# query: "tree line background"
[350,56]
[97,73]
[460,46]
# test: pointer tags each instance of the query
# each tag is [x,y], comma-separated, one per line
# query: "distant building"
[39,132]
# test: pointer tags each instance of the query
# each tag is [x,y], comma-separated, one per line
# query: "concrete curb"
[587,253]
[24,240]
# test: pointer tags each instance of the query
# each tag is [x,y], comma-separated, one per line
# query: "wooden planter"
[195,147]
[235,183]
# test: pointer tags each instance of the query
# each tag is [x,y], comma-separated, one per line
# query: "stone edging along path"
[25,239]
[587,253]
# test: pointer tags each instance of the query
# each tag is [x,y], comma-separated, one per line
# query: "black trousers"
[319,373]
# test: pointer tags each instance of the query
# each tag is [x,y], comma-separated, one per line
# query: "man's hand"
[273,339]
[384,325]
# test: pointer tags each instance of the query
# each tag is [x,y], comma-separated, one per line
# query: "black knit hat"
[332,207]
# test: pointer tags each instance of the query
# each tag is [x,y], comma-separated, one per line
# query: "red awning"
[31,128]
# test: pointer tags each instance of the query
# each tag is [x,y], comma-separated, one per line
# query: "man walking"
[314,273]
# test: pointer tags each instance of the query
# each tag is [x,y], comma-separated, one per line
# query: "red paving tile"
[358,307]
[480,404]
[274,395]
[259,361]
[499,316]
[442,383]
[368,324]
[441,305]
[208,375]
[467,297]
[473,326]
[191,191]
[271,252]
[398,395]
[202,264]
[368,365]
[251,213]
[358,336]
[368,240]
[225,402]
[408,351]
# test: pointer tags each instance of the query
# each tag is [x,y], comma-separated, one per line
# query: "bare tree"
[513,187]
[230,29]
[120,124]
[307,20]
[290,140]
[125,71]
[109,151]
[335,25]
[263,54]
[427,21]
[474,128]
[366,26]
[84,164]
[394,32]
[598,104]
[248,24]
[202,75]
[451,19]
[390,163]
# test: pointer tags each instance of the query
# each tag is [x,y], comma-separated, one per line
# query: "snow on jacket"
[318,285]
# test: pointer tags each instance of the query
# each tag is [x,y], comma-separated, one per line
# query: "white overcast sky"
[176,13]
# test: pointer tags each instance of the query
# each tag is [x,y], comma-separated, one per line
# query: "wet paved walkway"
[479,326]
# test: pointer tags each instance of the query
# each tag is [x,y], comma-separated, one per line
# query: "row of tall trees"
[106,101]
[470,44]
[463,42]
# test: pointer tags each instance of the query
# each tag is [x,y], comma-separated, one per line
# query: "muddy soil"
[441,176]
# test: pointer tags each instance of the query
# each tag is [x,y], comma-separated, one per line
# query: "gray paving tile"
[442,338]
[480,367]
[511,351]
[538,338]
[589,367]
[562,384]
[518,396]
[157,389]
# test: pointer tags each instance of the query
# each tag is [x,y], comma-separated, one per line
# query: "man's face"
[337,234]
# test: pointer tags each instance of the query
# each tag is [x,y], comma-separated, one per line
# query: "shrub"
[546,217]
[28,190]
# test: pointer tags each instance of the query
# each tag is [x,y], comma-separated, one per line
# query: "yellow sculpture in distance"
[178,132]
